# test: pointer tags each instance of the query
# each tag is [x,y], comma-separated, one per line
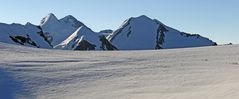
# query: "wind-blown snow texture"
[193,73]
[139,33]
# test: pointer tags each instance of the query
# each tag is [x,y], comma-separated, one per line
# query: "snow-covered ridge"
[136,33]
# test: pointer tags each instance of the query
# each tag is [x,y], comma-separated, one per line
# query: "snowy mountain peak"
[49,19]
[143,17]
[61,29]
[68,17]
[145,33]
[72,21]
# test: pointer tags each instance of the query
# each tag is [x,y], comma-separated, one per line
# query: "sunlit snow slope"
[193,73]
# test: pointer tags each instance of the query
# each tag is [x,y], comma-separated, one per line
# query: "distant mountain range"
[136,33]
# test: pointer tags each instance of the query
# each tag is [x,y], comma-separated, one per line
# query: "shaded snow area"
[192,73]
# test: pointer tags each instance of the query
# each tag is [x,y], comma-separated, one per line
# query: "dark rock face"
[106,31]
[215,44]
[45,36]
[85,46]
[106,45]
[190,35]
[160,36]
[23,40]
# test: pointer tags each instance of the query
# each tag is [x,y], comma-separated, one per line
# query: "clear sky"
[216,19]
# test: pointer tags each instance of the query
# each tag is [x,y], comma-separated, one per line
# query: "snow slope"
[192,73]
[145,33]
[7,30]
[83,33]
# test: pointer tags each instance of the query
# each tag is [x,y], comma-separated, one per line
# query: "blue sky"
[216,19]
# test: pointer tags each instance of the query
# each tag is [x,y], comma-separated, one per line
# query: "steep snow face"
[135,33]
[82,34]
[61,29]
[22,34]
[144,33]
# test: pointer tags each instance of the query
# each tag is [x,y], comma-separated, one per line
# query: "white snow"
[184,41]
[83,33]
[72,21]
[192,73]
[140,33]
